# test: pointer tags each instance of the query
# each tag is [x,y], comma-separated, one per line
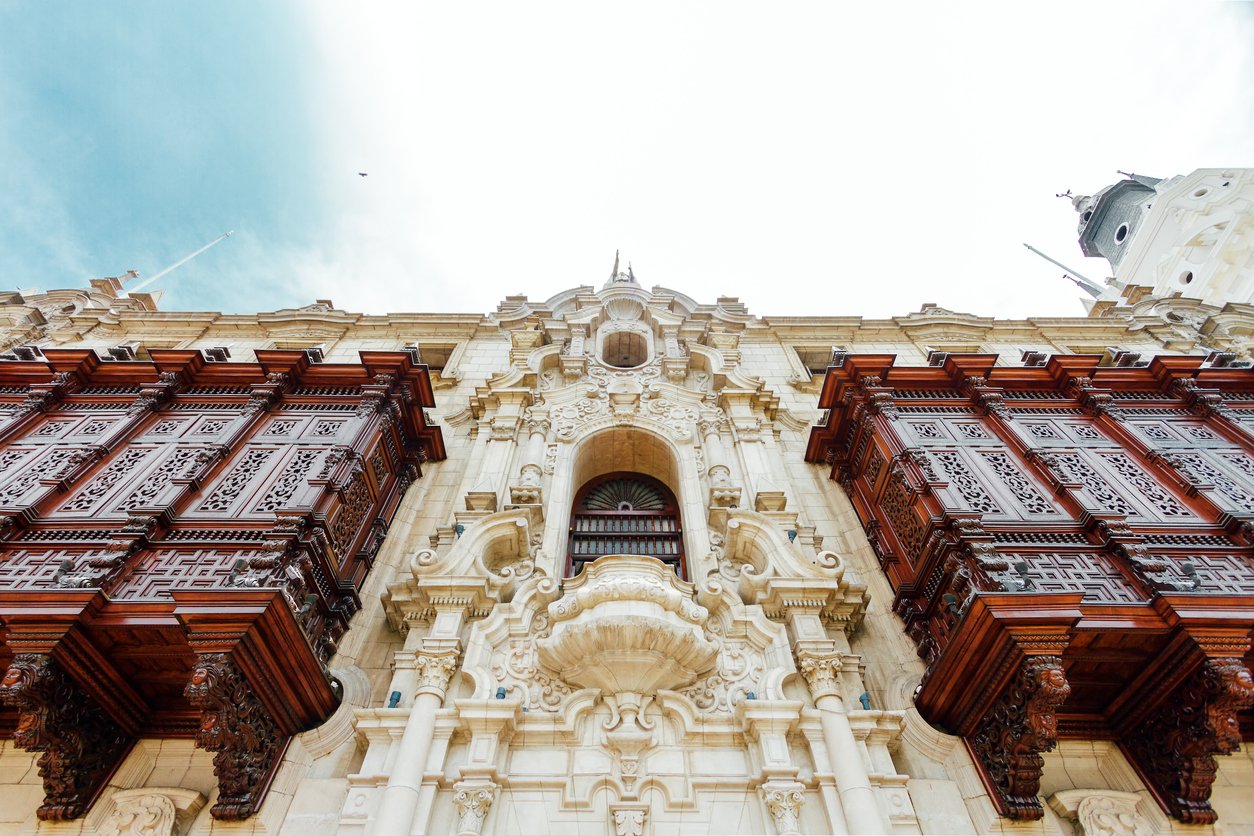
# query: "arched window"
[625,513]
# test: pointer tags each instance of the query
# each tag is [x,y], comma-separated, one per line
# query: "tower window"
[1121,233]
[625,349]
[625,513]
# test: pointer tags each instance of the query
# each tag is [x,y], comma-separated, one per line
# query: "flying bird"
[361,174]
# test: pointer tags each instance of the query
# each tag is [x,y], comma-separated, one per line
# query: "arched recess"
[637,448]
[625,512]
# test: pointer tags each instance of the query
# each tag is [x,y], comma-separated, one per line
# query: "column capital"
[473,800]
[821,668]
[434,670]
[783,802]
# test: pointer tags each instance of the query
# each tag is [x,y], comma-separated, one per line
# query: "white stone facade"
[484,693]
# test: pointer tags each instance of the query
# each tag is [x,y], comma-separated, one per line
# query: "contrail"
[179,263]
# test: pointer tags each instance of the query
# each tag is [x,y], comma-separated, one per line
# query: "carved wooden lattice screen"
[1071,550]
[182,545]
[625,513]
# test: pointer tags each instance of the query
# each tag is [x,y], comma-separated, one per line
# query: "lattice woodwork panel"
[76,427]
[1018,483]
[1098,492]
[293,480]
[1175,431]
[874,466]
[160,570]
[34,568]
[115,476]
[11,461]
[1203,467]
[909,528]
[1230,574]
[239,481]
[50,462]
[966,488]
[176,462]
[1145,486]
[1092,573]
[348,519]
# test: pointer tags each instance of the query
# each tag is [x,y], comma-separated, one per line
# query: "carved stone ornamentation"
[1017,729]
[435,671]
[662,646]
[473,800]
[821,672]
[235,724]
[81,744]
[145,815]
[784,802]
[1175,749]
[629,819]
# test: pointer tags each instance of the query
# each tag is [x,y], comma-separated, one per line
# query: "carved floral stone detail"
[145,815]
[1102,812]
[435,671]
[81,744]
[821,672]
[1017,729]
[1101,815]
[235,724]
[1175,749]
[784,805]
[629,819]
[473,801]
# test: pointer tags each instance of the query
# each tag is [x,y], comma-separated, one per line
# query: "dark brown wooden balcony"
[181,546]
[1071,550]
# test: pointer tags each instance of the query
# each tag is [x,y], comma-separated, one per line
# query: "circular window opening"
[1186,277]
[1121,233]
[1085,217]
[625,350]
[1201,193]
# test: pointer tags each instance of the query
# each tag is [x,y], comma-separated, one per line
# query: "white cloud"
[803,157]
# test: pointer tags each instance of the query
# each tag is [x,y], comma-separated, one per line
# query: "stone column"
[526,490]
[723,492]
[821,669]
[768,723]
[400,800]
[491,724]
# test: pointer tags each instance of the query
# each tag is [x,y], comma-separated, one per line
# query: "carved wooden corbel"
[1175,749]
[81,744]
[235,725]
[1020,726]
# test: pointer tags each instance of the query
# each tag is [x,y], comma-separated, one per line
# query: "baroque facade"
[626,562]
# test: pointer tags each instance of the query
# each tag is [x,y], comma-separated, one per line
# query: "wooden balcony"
[181,546]
[1071,550]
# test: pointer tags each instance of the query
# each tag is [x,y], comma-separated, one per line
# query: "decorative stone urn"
[627,624]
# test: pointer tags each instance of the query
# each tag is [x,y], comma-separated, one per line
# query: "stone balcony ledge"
[627,624]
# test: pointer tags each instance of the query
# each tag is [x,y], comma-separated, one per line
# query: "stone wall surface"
[485,692]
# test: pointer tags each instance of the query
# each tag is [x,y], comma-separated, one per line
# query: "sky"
[808,158]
